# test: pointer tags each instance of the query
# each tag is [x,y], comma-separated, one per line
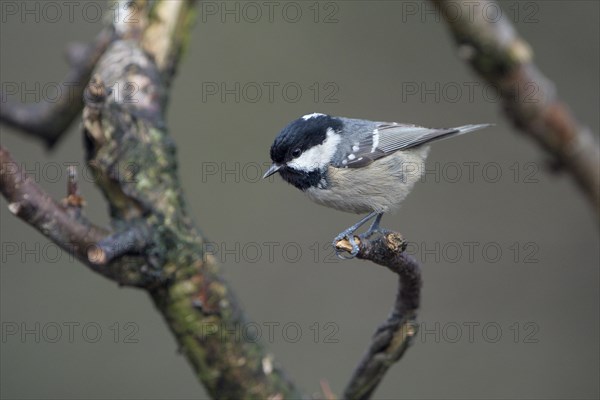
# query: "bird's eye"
[296,153]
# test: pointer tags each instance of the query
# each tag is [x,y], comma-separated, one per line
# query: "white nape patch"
[319,156]
[355,148]
[375,140]
[351,157]
[313,115]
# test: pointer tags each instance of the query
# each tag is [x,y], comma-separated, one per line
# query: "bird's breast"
[381,186]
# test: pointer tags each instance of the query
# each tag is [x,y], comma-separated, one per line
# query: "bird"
[355,165]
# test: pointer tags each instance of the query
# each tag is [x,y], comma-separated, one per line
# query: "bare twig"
[393,338]
[34,206]
[74,201]
[502,58]
[48,120]
[69,230]
[326,391]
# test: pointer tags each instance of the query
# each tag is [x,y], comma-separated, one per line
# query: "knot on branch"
[96,92]
[396,242]
[133,239]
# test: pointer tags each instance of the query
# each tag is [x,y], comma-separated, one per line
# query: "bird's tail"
[417,135]
[471,128]
[459,130]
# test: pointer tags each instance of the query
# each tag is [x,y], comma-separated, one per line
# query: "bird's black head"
[304,148]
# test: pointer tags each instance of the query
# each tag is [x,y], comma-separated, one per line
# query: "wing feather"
[388,138]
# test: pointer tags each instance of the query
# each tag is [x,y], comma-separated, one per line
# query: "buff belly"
[380,186]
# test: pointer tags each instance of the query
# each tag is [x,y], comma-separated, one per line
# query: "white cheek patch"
[313,115]
[319,156]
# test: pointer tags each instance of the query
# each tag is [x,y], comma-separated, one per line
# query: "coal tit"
[354,165]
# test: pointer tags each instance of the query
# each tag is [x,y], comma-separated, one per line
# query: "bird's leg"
[348,234]
[374,228]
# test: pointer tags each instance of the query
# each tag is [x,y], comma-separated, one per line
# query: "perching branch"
[48,120]
[393,338]
[503,59]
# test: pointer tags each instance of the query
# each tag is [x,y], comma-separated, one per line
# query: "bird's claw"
[343,254]
[342,251]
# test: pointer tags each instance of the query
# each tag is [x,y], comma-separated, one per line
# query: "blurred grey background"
[510,262]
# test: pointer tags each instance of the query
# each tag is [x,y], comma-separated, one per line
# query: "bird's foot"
[346,254]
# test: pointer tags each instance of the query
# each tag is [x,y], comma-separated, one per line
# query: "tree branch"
[503,59]
[166,36]
[134,160]
[395,335]
[48,120]
[69,230]
[34,206]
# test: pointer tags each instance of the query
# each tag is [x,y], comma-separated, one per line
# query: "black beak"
[272,169]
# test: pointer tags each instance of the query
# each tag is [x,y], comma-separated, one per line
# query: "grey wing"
[388,138]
